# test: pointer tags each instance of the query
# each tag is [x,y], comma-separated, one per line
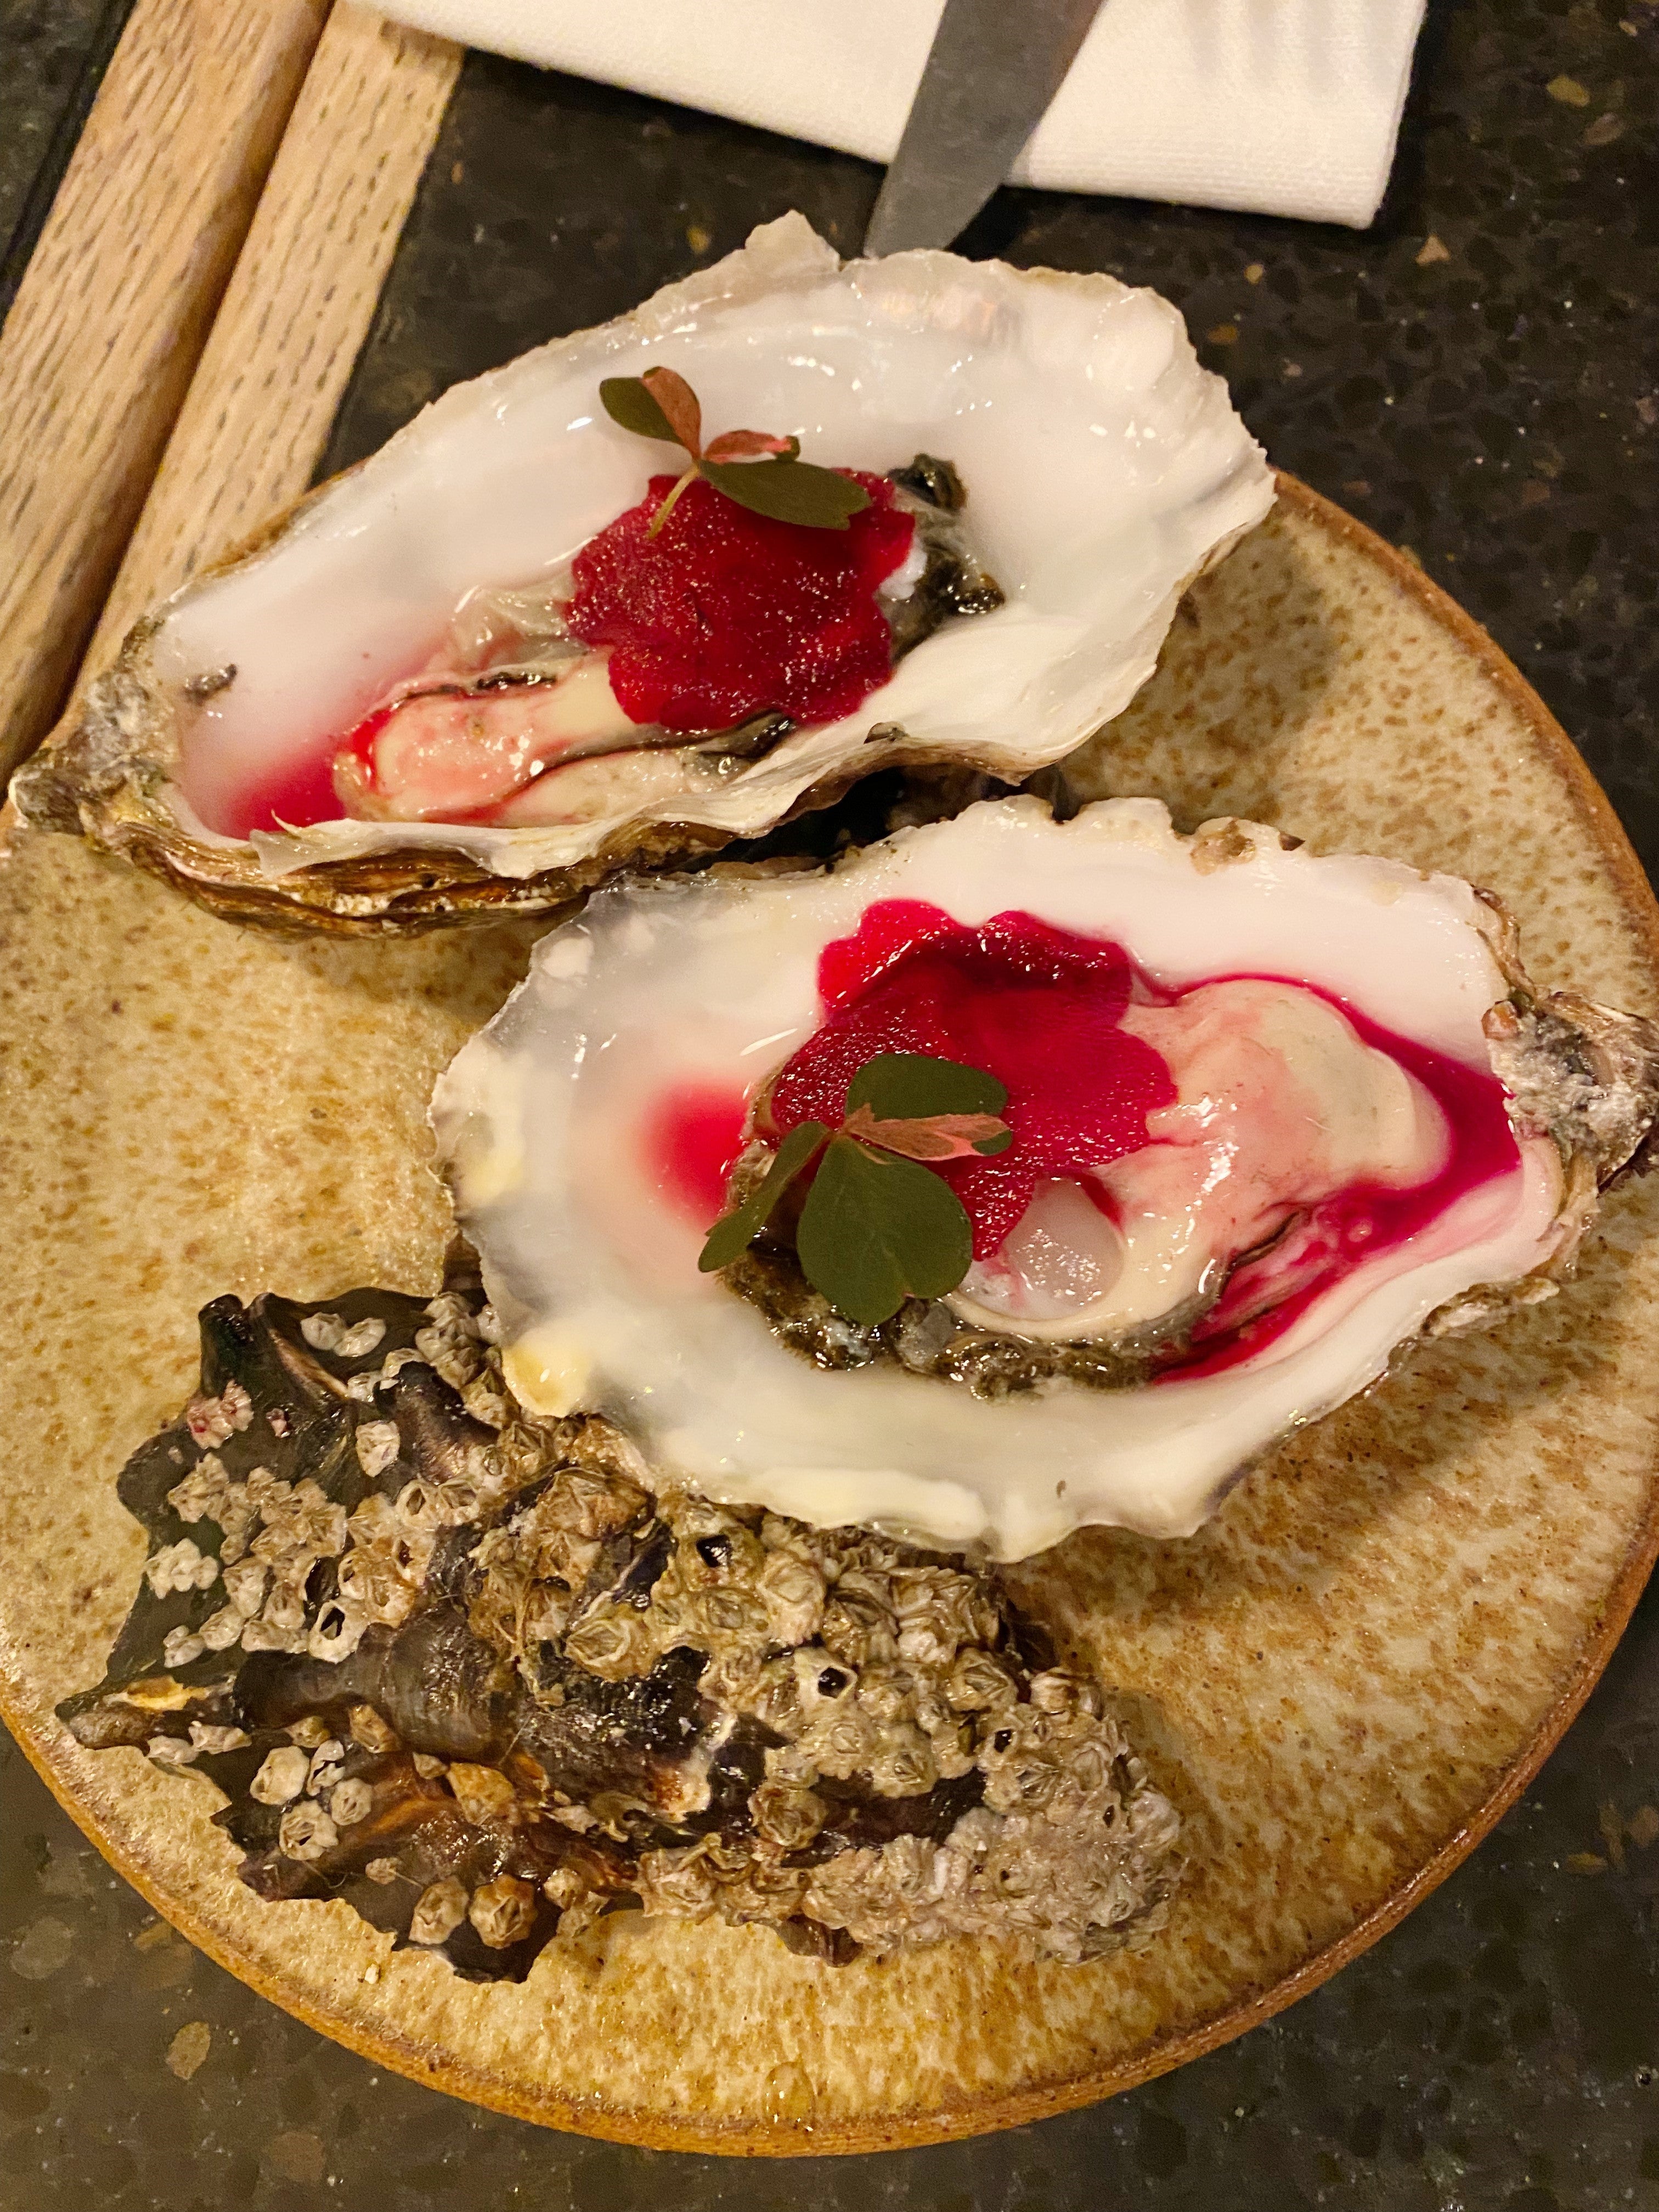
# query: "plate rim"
[955,2121]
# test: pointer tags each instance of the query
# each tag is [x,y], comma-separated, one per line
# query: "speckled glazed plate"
[1343,1680]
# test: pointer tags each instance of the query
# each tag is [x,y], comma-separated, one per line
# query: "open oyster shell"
[465,1671]
[932,1424]
[1105,470]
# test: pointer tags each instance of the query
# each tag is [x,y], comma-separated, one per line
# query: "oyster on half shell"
[1357,1123]
[1103,468]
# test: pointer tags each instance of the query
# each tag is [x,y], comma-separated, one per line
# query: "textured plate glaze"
[1343,1680]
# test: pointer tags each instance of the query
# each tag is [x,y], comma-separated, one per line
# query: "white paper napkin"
[1285,106]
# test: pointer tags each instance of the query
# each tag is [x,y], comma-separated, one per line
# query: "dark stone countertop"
[52,54]
[1477,378]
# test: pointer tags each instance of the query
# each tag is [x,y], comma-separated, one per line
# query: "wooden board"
[264,399]
[105,333]
[195,306]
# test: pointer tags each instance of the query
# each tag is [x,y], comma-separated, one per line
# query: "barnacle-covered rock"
[468,1672]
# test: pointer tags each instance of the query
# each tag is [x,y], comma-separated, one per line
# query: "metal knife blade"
[994,66]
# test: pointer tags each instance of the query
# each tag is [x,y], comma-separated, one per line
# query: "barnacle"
[485,1685]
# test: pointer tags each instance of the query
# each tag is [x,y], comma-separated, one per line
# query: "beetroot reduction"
[726,614]
[1037,1007]
[303,793]
[1041,1009]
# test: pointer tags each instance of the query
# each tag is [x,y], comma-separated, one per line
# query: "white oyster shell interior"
[713,982]
[1105,468]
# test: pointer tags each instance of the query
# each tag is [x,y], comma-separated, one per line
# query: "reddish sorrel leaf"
[679,406]
[748,446]
[756,469]
[932,1136]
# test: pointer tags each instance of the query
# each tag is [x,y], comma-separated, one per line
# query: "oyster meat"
[654,660]
[467,1672]
[1274,1115]
[420,594]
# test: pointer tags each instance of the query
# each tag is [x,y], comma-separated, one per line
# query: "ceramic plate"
[1343,1680]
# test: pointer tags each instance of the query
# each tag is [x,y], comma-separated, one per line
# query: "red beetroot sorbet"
[1039,1008]
[726,614]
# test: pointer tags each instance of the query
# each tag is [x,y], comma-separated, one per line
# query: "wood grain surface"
[111,314]
[263,400]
